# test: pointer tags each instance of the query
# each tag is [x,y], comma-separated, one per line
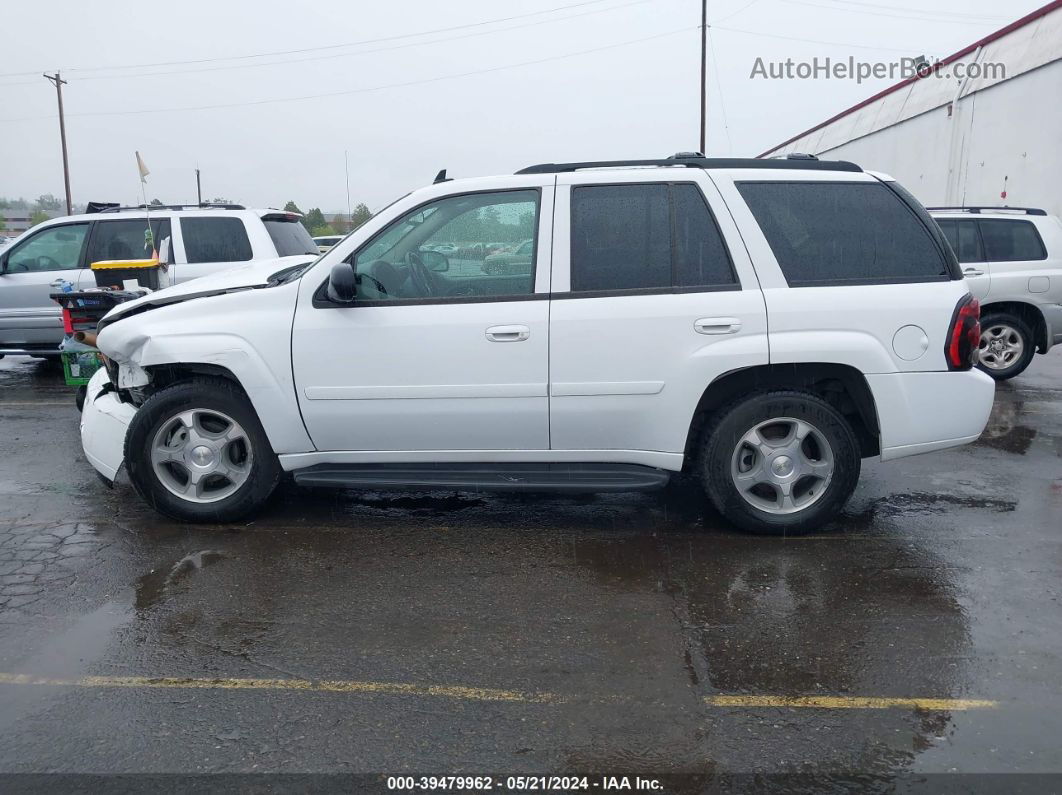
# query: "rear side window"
[290,237]
[844,233]
[963,238]
[1011,241]
[215,240]
[648,236]
[127,239]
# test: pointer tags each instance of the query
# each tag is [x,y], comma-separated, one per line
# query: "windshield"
[290,237]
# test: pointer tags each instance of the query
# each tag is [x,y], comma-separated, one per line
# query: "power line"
[883,14]
[349,54]
[320,47]
[719,87]
[368,89]
[951,14]
[907,50]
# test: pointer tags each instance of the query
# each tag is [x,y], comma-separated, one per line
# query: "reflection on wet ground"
[634,611]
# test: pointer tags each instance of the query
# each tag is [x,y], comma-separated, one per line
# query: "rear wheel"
[1007,345]
[196,451]
[780,463]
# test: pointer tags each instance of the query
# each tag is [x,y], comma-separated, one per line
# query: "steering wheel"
[420,275]
[46,263]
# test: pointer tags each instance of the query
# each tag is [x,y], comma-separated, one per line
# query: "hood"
[253,275]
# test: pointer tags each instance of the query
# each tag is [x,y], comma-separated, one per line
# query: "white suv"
[763,325]
[1012,260]
[202,239]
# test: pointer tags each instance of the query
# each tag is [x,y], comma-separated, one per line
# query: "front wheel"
[1007,345]
[196,451]
[780,463]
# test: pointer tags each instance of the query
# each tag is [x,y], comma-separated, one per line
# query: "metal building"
[986,140]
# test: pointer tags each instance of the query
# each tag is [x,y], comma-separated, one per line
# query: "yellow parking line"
[485,693]
[326,686]
[850,702]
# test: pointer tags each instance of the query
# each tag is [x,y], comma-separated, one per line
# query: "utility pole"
[58,82]
[198,188]
[350,215]
[704,75]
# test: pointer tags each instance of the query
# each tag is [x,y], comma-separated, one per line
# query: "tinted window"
[127,239]
[701,258]
[55,249]
[831,233]
[621,237]
[289,237]
[648,236]
[440,250]
[1011,241]
[963,238]
[215,240]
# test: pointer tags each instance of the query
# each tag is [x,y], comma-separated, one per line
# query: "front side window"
[1011,241]
[215,240]
[127,239]
[55,249]
[963,238]
[443,250]
[647,236]
[843,233]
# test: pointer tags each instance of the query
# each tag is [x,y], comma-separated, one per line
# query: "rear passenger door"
[1017,256]
[965,240]
[211,244]
[653,298]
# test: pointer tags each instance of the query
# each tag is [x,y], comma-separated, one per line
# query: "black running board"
[486,477]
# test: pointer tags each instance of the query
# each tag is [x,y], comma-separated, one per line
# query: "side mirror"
[341,288]
[435,261]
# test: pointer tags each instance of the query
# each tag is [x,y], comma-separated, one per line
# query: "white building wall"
[1010,130]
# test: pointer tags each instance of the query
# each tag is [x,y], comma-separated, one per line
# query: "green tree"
[292,207]
[360,215]
[37,217]
[49,203]
[314,219]
[3,222]
[327,229]
[155,203]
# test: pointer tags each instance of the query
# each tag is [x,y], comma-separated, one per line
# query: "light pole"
[58,82]
[704,75]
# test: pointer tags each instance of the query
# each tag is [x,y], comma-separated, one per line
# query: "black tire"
[720,444]
[211,394]
[1001,320]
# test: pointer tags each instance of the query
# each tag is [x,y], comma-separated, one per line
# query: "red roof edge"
[1020,23]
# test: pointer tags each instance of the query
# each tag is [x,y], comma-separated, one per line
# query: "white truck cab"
[764,325]
[1012,260]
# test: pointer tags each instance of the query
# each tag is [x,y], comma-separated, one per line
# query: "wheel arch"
[1028,312]
[842,386]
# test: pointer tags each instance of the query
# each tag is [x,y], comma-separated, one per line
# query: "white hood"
[254,274]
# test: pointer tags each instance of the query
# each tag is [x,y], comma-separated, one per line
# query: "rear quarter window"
[215,240]
[834,233]
[290,237]
[1011,241]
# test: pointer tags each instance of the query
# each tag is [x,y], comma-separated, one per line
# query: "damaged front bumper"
[104,422]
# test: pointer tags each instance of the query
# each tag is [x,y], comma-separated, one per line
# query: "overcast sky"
[568,80]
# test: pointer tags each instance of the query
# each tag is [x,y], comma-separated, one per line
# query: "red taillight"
[68,322]
[965,335]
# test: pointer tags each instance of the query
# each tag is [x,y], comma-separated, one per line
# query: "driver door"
[28,317]
[436,353]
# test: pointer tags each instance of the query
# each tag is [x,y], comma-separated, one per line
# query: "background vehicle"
[639,346]
[515,259]
[325,242]
[202,241]
[1012,259]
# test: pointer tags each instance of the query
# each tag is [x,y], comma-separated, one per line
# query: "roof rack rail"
[986,209]
[203,206]
[685,160]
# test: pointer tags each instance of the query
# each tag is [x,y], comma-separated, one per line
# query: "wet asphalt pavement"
[531,634]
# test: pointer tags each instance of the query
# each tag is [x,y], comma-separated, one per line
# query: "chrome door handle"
[508,333]
[972,272]
[717,325]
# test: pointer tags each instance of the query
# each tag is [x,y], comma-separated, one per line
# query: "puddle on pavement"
[160,582]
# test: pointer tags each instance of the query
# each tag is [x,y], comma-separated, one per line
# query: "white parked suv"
[1012,260]
[763,325]
[201,239]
